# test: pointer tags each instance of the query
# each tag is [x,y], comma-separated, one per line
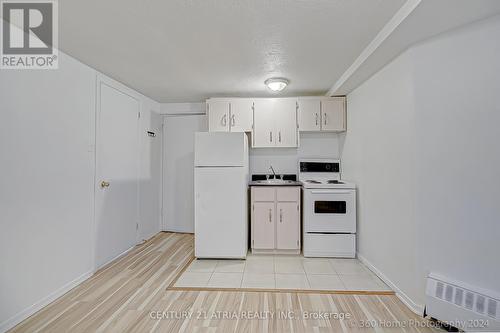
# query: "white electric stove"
[329,210]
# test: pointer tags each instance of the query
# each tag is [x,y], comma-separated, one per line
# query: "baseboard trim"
[177,230]
[111,262]
[24,314]
[413,306]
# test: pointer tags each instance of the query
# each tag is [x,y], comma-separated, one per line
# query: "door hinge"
[297,242]
[253,207]
[137,226]
[139,115]
[297,207]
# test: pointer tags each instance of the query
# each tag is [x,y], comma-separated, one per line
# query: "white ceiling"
[424,19]
[189,50]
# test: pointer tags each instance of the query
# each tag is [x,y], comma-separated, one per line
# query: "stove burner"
[334,181]
[313,181]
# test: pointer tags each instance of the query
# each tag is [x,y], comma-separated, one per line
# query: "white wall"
[378,157]
[47,131]
[178,170]
[150,178]
[422,145]
[457,85]
[47,151]
[285,160]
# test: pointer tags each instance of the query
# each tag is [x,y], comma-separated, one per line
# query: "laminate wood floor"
[131,295]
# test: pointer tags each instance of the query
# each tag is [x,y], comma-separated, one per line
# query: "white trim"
[383,34]
[22,315]
[413,306]
[116,257]
[184,231]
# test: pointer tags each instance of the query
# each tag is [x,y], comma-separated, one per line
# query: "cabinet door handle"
[281,215]
[233,122]
[279,136]
[316,119]
[324,114]
[270,215]
[223,120]
[270,136]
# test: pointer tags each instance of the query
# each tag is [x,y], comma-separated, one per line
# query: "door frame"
[104,80]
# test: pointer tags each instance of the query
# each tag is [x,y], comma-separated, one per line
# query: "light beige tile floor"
[281,272]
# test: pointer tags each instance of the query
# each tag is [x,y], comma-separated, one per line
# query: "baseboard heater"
[460,305]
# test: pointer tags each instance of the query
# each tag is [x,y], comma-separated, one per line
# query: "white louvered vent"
[453,301]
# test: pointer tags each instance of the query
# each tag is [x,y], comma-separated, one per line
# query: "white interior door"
[117,173]
[178,170]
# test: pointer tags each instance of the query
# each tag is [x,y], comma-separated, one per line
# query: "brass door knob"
[104,184]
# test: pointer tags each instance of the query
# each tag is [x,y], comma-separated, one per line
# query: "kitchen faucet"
[272,169]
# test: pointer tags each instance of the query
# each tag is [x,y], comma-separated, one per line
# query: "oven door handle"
[330,192]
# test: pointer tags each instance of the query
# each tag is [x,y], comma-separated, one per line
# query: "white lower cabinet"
[287,226]
[264,214]
[275,219]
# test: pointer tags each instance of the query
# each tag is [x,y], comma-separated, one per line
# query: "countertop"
[287,183]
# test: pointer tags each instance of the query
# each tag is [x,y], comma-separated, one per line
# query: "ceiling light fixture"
[276,84]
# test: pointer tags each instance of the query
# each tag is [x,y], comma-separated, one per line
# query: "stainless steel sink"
[274,182]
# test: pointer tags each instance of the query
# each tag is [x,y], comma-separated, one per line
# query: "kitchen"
[331,161]
[314,200]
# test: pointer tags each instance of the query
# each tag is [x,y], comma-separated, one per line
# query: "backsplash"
[285,160]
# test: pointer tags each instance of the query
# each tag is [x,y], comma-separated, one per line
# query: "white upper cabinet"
[333,114]
[275,123]
[264,127]
[285,120]
[218,116]
[226,115]
[322,114]
[309,114]
[241,115]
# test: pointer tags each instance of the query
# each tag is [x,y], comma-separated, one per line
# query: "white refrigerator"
[220,195]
